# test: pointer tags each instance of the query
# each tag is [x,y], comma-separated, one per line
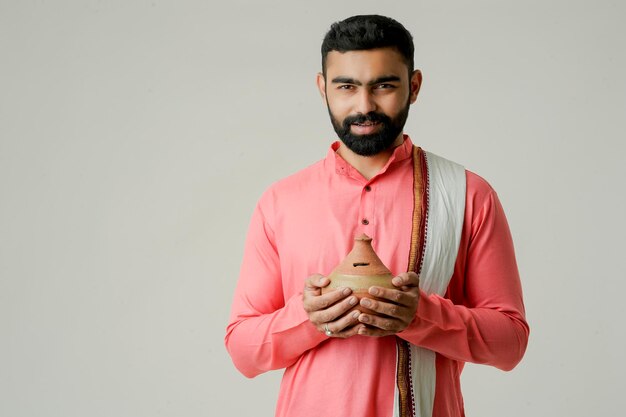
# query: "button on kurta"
[368,188]
[365,222]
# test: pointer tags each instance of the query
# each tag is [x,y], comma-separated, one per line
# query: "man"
[439,228]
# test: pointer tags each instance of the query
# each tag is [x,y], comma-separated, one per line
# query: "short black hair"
[362,32]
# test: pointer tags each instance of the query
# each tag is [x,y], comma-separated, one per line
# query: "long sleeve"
[481,319]
[266,331]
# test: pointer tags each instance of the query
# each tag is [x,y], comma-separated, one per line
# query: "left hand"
[400,311]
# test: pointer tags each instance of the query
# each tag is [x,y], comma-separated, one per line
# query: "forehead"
[366,65]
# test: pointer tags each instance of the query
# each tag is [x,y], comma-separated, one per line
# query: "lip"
[364,129]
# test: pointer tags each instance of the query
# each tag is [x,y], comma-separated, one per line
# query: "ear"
[416,83]
[321,85]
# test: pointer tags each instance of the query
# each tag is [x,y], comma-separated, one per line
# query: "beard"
[373,143]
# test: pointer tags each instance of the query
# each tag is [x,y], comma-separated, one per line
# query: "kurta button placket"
[366,205]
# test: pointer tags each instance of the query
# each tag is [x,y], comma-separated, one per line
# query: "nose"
[365,102]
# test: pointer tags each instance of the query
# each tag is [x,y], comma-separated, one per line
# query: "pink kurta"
[305,224]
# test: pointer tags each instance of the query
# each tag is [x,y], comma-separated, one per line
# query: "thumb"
[315,282]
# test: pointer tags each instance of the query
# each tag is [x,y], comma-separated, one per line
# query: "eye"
[385,86]
[345,87]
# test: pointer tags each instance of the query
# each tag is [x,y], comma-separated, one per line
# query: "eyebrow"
[379,80]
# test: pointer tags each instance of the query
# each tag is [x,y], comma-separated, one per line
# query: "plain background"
[136,137]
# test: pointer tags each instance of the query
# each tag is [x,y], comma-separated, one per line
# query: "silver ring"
[327,330]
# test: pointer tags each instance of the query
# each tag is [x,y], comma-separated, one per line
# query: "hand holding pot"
[395,308]
[328,311]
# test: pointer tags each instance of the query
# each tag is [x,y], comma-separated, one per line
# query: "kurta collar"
[341,167]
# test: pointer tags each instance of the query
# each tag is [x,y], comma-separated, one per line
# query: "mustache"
[372,117]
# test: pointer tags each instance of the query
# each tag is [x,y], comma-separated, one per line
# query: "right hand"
[329,310]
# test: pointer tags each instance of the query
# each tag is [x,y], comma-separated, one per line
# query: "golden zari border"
[420,176]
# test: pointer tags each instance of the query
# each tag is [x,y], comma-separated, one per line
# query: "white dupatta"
[446,187]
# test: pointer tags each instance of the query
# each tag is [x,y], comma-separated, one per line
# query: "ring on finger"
[327,331]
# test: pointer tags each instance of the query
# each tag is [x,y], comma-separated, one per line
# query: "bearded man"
[440,229]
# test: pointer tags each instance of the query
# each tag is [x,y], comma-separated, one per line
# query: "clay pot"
[360,270]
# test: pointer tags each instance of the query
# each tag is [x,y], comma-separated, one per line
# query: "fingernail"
[356,315]
[352,301]
[322,280]
[396,281]
[373,291]
[346,291]
[365,302]
[364,318]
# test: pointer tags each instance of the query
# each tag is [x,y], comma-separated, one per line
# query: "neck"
[369,166]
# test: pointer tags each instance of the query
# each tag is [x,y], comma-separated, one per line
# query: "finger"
[343,323]
[403,298]
[350,331]
[384,308]
[387,324]
[331,310]
[324,301]
[315,282]
[409,279]
[373,331]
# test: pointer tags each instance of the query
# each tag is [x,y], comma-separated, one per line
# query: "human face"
[368,94]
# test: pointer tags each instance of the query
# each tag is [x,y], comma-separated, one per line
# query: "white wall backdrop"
[136,137]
